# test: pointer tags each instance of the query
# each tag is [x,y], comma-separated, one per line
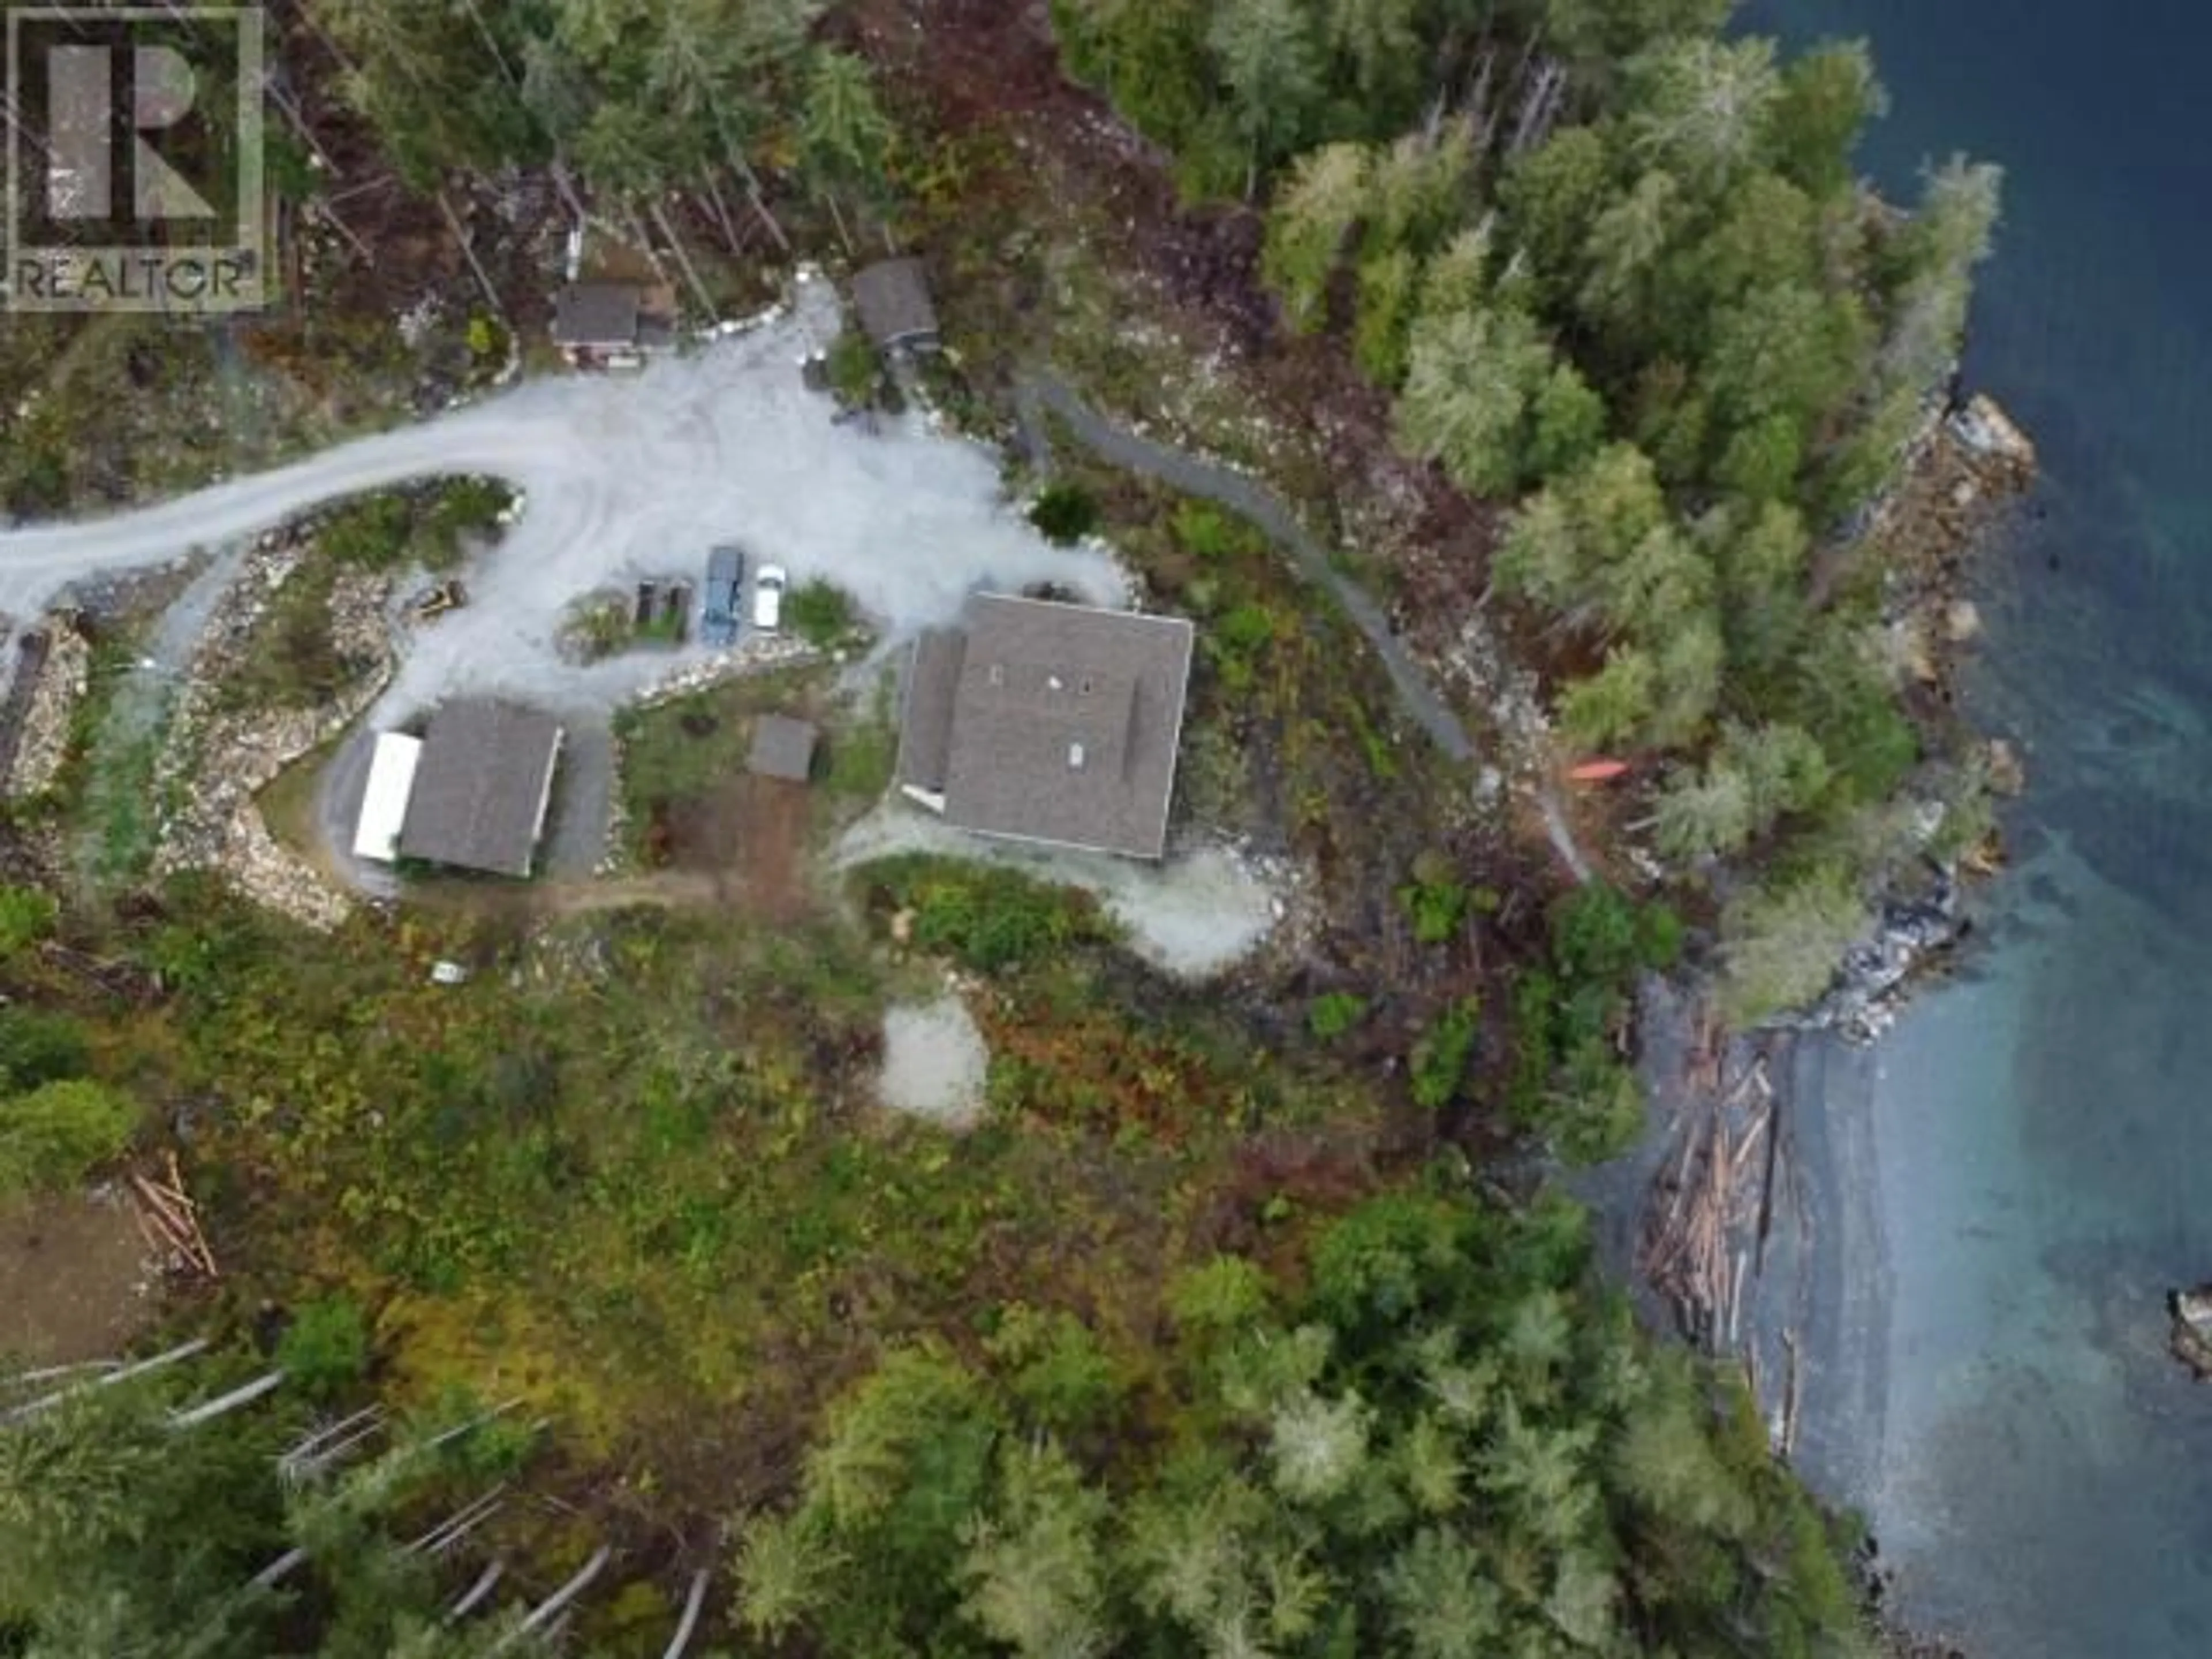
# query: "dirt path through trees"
[1039,393]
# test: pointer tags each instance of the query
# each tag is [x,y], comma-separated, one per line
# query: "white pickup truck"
[769,583]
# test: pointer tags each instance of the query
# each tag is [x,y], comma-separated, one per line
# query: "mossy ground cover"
[684,760]
[632,1170]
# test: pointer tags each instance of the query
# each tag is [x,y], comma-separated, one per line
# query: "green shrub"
[988,918]
[372,531]
[1596,1111]
[1332,1014]
[26,916]
[1054,1367]
[1064,513]
[1440,1057]
[820,612]
[1569,1080]
[1204,531]
[38,1048]
[487,339]
[55,1135]
[593,626]
[327,1346]
[1600,936]
[390,528]
[854,369]
[1436,909]
[458,507]
[1236,641]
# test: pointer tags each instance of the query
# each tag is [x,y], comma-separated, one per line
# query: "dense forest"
[1442,1445]
[637,98]
[1617,267]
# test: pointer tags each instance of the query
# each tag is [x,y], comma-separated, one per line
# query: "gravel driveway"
[625,476]
[628,477]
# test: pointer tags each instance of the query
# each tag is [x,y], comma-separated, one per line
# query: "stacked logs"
[169,1221]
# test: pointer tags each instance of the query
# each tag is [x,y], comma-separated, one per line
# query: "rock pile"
[219,758]
[1875,974]
[42,741]
[1959,477]
[756,653]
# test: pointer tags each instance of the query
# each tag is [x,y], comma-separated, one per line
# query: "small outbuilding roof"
[782,748]
[384,802]
[482,786]
[1048,722]
[597,314]
[892,298]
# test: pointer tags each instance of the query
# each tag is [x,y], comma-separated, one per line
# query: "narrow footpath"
[1039,393]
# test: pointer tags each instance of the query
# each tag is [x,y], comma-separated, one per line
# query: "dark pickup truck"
[719,612]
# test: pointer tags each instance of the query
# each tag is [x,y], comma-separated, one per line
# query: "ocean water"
[2030,1153]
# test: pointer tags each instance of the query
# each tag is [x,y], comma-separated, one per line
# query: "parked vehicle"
[435,601]
[718,600]
[769,584]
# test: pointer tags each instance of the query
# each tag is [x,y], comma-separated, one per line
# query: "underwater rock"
[2193,1329]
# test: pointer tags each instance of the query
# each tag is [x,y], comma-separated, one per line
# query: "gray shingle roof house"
[1047,722]
[597,317]
[782,748]
[893,300]
[482,787]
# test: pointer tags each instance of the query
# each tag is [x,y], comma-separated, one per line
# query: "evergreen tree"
[1036,1567]
[1471,378]
[1702,108]
[1268,61]
[1828,96]
[1309,226]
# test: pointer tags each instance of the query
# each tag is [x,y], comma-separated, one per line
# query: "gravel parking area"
[935,1063]
[628,477]
[1196,914]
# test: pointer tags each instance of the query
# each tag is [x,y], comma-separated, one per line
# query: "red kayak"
[1598,771]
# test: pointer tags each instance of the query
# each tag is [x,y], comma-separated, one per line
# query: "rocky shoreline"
[1724,1227]
[1968,471]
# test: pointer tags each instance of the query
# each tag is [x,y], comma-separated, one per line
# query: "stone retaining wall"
[219,760]
[42,743]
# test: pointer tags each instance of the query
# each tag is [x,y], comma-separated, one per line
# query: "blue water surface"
[2039,1474]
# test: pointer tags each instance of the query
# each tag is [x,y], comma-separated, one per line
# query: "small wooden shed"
[783,748]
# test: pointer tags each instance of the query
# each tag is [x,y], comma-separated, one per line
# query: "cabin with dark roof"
[607,325]
[482,787]
[1052,723]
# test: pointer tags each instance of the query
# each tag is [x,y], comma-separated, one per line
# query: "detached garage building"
[475,789]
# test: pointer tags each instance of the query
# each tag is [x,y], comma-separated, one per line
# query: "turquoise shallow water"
[2036,1141]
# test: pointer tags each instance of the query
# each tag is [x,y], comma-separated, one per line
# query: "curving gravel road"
[634,476]
[630,477]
